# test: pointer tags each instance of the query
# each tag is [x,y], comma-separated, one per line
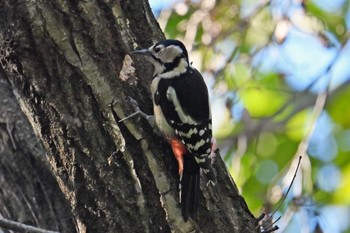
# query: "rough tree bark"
[28,190]
[66,62]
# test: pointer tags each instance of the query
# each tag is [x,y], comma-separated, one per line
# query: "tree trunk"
[67,61]
[29,192]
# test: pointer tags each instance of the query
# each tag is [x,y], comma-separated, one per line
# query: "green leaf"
[262,101]
[338,107]
[297,126]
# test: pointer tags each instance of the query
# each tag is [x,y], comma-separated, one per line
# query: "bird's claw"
[135,106]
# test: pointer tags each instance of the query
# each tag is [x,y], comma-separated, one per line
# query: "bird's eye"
[157,49]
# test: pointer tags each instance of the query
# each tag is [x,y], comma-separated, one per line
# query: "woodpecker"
[182,115]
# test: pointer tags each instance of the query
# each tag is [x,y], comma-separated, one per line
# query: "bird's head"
[169,58]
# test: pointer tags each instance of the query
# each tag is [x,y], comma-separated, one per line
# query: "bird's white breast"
[160,120]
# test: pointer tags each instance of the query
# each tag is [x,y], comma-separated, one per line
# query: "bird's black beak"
[145,52]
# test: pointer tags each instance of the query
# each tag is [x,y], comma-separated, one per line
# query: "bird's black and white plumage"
[182,114]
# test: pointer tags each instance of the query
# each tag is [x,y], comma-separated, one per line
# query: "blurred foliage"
[265,124]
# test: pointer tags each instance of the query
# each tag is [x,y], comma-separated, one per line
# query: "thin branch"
[318,108]
[20,227]
[270,227]
[304,144]
[288,190]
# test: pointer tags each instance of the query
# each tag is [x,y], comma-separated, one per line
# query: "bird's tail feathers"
[189,194]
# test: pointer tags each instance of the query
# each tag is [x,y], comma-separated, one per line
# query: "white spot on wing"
[189,146]
[189,133]
[199,144]
[199,160]
[201,132]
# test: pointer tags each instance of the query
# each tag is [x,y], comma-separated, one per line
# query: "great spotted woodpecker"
[182,115]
